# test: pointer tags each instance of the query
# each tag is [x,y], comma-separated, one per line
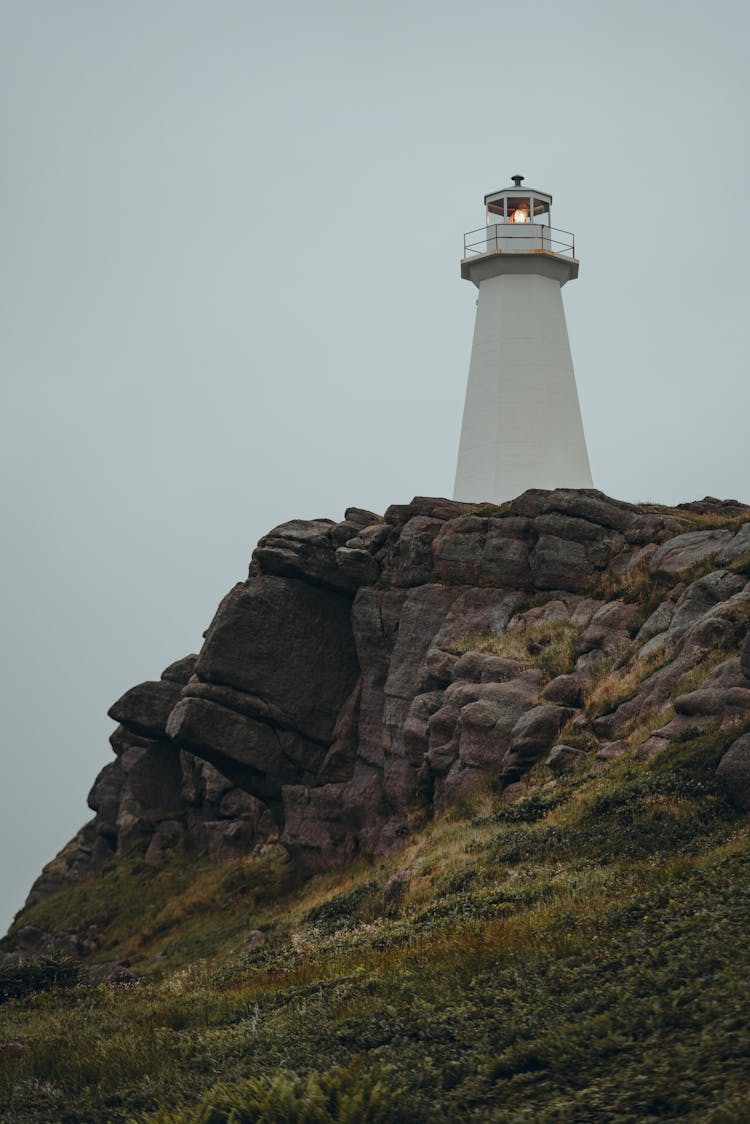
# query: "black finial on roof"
[517,180]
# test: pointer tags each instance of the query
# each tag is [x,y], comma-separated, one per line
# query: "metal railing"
[540,239]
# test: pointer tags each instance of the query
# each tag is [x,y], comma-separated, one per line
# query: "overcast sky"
[230,295]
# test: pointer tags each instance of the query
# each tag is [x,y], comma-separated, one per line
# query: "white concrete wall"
[522,423]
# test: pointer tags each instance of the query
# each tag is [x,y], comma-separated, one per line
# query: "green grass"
[179,912]
[579,955]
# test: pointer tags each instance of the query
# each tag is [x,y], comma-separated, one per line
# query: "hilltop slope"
[515,744]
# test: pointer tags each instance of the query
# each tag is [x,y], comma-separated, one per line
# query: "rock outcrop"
[370,671]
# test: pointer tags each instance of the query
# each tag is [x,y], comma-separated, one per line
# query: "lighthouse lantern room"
[518,220]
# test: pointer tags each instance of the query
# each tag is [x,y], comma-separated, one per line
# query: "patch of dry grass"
[643,726]
[549,645]
[696,522]
[620,683]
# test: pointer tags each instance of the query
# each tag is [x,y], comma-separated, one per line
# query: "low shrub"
[343,909]
[39,973]
[347,1095]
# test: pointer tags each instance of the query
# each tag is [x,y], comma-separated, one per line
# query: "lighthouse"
[522,423]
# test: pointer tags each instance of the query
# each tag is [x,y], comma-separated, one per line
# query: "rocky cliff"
[370,671]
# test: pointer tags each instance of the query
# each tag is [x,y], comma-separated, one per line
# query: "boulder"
[650,747]
[583,610]
[588,504]
[365,810]
[481,667]
[181,670]
[683,726]
[358,565]
[122,739]
[611,751]
[727,674]
[475,612]
[610,627]
[395,890]
[144,709]
[440,665]
[442,748]
[151,792]
[288,642]
[570,527]
[362,517]
[375,537]
[152,779]
[254,755]
[701,597]
[711,505]
[600,544]
[733,773]
[203,786]
[346,532]
[105,796]
[415,730]
[561,564]
[682,552]
[458,550]
[737,549]
[111,972]
[314,829]
[532,735]
[411,560]
[487,713]
[86,853]
[434,507]
[505,560]
[486,725]
[563,758]
[723,702]
[305,550]
[565,689]
[657,623]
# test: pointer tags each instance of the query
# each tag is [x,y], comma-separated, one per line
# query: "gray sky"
[230,295]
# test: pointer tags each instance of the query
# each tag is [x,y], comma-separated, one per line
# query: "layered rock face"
[369,672]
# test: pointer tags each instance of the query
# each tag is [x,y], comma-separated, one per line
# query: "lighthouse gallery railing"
[496,239]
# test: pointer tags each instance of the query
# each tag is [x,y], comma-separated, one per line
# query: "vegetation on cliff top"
[578,955]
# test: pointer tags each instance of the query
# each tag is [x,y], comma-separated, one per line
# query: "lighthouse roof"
[514,190]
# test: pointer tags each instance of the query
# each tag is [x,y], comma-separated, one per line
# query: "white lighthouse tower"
[522,423]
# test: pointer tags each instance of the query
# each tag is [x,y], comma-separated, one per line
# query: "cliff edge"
[369,672]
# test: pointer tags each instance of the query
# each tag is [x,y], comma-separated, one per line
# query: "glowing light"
[519,215]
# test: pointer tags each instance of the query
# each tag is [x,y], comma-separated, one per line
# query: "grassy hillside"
[581,954]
